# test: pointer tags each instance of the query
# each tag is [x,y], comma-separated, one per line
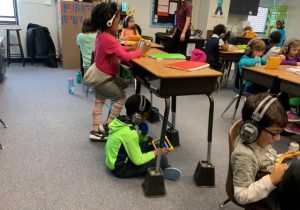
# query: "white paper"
[162,9]
[189,48]
[163,2]
[173,8]
[46,2]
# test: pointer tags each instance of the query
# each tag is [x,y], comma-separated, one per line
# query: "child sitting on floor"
[129,28]
[257,177]
[130,153]
[252,57]
[291,51]
[218,41]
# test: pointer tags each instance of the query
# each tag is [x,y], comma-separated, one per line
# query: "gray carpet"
[49,163]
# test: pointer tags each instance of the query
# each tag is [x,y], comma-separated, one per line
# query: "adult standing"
[182,31]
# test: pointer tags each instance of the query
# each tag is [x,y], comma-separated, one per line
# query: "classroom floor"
[49,163]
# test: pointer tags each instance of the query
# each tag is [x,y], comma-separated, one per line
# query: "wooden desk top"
[281,71]
[291,78]
[242,52]
[131,43]
[157,67]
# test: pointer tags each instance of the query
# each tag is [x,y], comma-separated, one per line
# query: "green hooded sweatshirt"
[124,142]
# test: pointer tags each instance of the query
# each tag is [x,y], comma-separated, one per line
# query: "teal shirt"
[220,3]
[248,62]
[123,143]
[86,43]
[282,32]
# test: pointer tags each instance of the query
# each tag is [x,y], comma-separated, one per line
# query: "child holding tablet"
[258,178]
[129,153]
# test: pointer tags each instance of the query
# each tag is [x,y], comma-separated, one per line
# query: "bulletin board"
[72,16]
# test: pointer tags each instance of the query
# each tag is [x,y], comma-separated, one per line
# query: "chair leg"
[229,105]
[21,48]
[4,125]
[222,205]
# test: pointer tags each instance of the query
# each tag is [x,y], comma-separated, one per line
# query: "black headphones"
[287,46]
[250,130]
[248,49]
[137,117]
[125,23]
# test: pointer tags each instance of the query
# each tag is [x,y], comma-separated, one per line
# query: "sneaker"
[104,129]
[97,136]
[293,128]
[172,174]
[293,117]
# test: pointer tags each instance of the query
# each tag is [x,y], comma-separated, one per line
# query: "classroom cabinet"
[244,7]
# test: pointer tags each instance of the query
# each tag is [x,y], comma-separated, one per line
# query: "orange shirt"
[128,33]
[250,34]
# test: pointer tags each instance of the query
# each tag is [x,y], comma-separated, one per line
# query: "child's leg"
[289,188]
[132,170]
[97,113]
[116,109]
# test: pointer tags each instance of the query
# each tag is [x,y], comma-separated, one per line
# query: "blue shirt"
[282,32]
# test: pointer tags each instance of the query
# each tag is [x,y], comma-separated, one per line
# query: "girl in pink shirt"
[129,28]
[108,53]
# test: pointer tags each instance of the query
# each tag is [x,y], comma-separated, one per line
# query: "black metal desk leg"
[137,87]
[154,183]
[172,133]
[204,175]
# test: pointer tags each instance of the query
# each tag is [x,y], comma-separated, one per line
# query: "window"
[8,12]
[258,22]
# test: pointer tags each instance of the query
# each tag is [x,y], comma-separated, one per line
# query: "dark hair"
[132,105]
[275,37]
[219,29]
[102,13]
[281,22]
[275,115]
[87,26]
[126,21]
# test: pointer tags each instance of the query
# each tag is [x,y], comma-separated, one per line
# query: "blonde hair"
[257,45]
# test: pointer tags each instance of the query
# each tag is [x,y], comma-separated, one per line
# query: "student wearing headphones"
[105,18]
[129,28]
[280,25]
[129,153]
[253,57]
[257,177]
[291,51]
[273,49]
[218,41]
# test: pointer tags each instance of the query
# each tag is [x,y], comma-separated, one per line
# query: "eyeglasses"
[273,134]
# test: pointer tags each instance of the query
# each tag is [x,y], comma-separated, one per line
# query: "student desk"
[290,84]
[167,82]
[166,40]
[269,78]
[228,57]
[153,44]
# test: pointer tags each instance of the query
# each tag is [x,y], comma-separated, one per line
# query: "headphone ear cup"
[249,132]
[136,118]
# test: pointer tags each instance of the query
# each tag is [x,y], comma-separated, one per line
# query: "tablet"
[167,144]
[273,62]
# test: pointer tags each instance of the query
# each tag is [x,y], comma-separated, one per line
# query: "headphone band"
[250,43]
[110,22]
[256,115]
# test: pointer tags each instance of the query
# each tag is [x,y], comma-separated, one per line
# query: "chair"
[232,135]
[85,88]
[148,38]
[242,40]
[18,44]
[237,84]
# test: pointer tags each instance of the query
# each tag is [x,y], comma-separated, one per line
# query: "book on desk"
[167,56]
[188,65]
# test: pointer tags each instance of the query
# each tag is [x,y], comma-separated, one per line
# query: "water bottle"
[78,77]
[71,85]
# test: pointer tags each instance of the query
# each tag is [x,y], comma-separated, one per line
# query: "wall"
[44,15]
[292,18]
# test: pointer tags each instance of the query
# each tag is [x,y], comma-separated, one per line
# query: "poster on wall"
[219,10]
[45,2]
[163,8]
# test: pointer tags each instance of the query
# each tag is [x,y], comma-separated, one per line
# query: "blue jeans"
[219,9]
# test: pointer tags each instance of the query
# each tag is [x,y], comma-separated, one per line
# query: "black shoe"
[98,136]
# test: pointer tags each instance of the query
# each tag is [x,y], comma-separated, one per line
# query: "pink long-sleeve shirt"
[108,53]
